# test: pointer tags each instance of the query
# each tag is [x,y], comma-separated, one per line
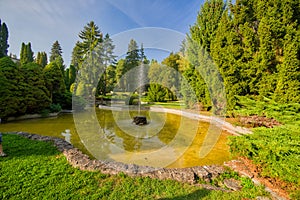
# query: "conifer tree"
[3,40]
[26,54]
[56,51]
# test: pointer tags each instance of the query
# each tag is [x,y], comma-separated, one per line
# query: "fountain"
[139,119]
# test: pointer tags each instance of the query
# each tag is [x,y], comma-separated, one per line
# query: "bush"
[55,108]
[132,100]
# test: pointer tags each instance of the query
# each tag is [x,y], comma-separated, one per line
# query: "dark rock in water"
[140,120]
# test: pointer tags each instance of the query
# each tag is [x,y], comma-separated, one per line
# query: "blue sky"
[42,22]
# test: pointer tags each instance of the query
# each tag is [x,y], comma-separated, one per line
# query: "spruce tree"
[56,51]
[208,18]
[91,37]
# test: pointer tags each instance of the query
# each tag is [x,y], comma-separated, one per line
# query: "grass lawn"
[36,170]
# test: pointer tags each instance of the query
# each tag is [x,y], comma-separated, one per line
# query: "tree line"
[250,46]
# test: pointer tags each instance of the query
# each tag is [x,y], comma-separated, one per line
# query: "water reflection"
[154,144]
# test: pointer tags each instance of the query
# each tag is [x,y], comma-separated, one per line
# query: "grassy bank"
[275,150]
[36,170]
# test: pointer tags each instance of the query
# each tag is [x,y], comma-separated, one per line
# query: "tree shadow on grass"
[17,146]
[198,194]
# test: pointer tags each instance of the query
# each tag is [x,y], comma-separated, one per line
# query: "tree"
[9,94]
[76,56]
[41,59]
[35,95]
[54,80]
[26,54]
[72,75]
[108,59]
[208,18]
[91,36]
[288,85]
[3,39]
[56,51]
[156,93]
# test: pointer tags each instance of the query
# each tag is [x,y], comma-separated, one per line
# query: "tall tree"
[208,18]
[26,54]
[34,92]
[72,76]
[108,57]
[54,80]
[91,36]
[92,64]
[76,56]
[3,39]
[41,59]
[10,103]
[56,51]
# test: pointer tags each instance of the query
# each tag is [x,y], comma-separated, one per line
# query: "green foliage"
[3,39]
[132,99]
[26,55]
[55,108]
[35,95]
[56,51]
[10,96]
[156,93]
[208,18]
[275,150]
[41,59]
[54,80]
[91,36]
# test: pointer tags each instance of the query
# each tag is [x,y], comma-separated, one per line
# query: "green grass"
[275,150]
[36,170]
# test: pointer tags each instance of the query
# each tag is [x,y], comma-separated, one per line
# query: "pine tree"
[3,40]
[56,51]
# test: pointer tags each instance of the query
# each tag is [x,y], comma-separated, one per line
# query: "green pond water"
[168,140]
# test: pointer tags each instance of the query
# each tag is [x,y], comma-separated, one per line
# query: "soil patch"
[258,121]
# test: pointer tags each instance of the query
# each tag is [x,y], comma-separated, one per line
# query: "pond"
[168,140]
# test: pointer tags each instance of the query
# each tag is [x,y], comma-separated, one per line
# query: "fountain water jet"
[140,120]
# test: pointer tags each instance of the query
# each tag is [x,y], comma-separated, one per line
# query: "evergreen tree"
[10,97]
[26,54]
[91,37]
[72,76]
[208,18]
[76,56]
[3,40]
[56,51]
[35,95]
[41,59]
[54,80]
[288,85]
